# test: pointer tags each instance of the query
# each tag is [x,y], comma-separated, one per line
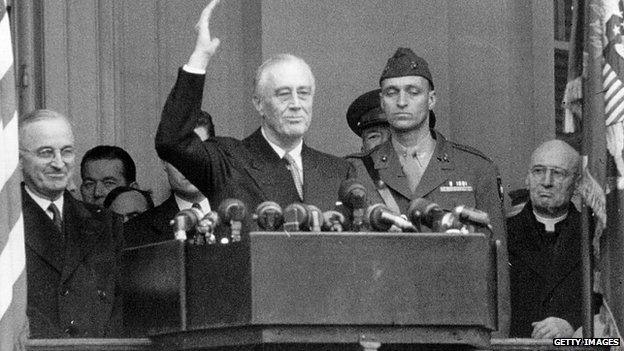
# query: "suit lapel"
[40,235]
[263,162]
[439,169]
[390,170]
[82,232]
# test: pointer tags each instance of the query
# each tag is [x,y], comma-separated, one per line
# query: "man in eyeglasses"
[545,248]
[71,247]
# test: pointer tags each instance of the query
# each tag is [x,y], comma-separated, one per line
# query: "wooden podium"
[286,289]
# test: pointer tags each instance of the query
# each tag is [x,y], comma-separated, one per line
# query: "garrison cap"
[404,63]
[365,111]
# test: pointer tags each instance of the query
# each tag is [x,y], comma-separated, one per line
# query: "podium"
[340,289]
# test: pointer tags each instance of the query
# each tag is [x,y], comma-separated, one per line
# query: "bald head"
[556,151]
[552,177]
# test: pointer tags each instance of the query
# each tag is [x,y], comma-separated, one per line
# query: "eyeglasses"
[558,174]
[48,153]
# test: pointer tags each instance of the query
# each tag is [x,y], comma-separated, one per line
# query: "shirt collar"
[295,153]
[45,203]
[183,204]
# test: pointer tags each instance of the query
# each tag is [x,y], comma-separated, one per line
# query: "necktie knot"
[196,205]
[56,217]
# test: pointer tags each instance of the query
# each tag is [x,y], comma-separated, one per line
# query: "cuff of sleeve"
[190,86]
[193,70]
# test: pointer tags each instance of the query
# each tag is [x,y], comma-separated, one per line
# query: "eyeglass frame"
[49,153]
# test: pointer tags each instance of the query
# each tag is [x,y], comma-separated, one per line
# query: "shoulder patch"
[471,150]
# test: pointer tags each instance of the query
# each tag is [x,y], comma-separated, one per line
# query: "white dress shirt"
[45,203]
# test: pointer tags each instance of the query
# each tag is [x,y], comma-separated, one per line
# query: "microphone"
[473,215]
[269,216]
[333,221]
[353,195]
[295,217]
[207,226]
[233,211]
[315,218]
[184,221]
[381,218]
[430,214]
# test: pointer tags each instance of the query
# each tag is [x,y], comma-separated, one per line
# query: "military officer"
[367,120]
[418,162]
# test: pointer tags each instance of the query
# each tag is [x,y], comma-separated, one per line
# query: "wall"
[491,60]
[110,64]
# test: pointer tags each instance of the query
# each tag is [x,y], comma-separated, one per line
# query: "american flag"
[12,259]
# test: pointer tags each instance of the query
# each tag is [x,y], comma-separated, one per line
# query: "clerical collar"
[549,223]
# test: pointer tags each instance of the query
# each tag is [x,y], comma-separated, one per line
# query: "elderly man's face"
[552,179]
[407,101]
[47,156]
[285,99]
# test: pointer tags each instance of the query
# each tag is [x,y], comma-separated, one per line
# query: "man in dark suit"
[272,164]
[72,248]
[545,248]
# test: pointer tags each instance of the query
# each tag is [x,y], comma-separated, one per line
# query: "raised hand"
[205,46]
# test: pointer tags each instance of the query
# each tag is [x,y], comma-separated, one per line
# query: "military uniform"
[456,175]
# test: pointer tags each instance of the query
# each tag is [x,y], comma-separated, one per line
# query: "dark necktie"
[56,217]
[296,174]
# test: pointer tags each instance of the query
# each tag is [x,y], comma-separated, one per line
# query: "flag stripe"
[9,160]
[6,61]
[2,10]
[14,314]
[12,262]
[7,107]
[12,252]
[10,193]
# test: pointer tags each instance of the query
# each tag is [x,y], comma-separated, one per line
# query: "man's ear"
[257,102]
[432,99]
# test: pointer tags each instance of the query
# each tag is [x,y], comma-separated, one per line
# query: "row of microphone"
[351,214]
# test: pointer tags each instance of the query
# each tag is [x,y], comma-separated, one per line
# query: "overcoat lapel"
[263,161]
[82,232]
[40,234]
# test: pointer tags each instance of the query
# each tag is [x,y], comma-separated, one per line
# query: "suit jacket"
[248,170]
[72,276]
[544,282]
[152,226]
[456,175]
